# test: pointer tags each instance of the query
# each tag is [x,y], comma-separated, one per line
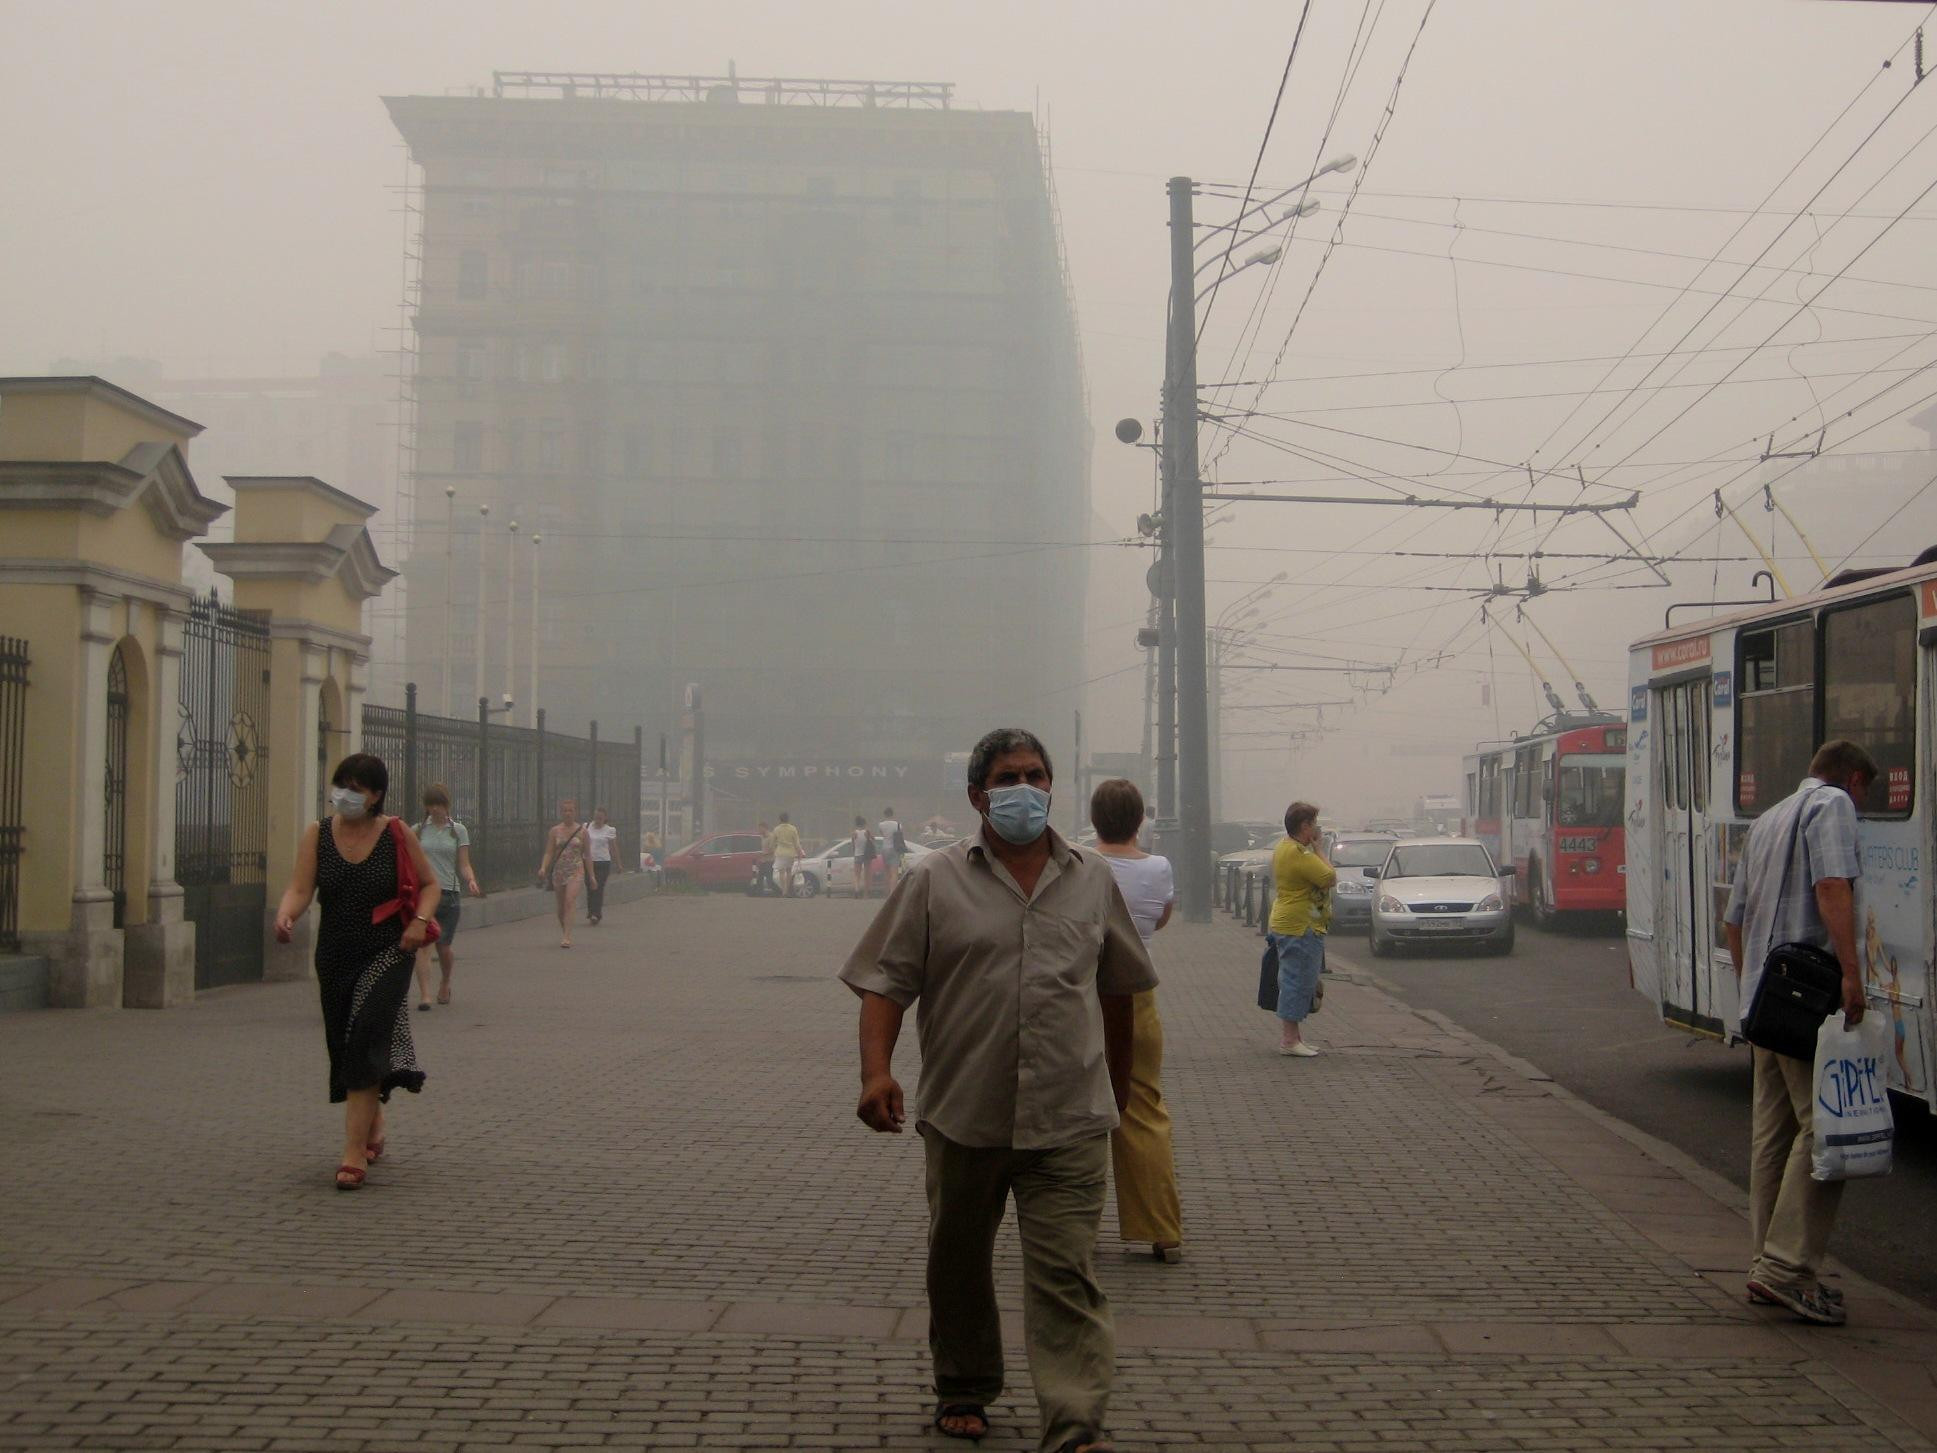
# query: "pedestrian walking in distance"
[602,844]
[1025,962]
[1147,1209]
[368,931]
[563,868]
[1303,882]
[863,841]
[447,847]
[1796,883]
[763,870]
[786,852]
[894,847]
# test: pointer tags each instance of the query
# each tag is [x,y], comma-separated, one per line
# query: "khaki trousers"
[1790,1215]
[1067,1331]
[1147,1209]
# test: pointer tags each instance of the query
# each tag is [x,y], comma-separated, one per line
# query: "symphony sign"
[824,771]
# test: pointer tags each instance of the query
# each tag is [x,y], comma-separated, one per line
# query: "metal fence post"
[636,793]
[594,771]
[410,749]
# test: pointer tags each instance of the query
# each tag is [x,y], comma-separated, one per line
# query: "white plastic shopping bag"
[1854,1129]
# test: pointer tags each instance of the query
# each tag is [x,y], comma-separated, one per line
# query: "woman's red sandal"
[349,1177]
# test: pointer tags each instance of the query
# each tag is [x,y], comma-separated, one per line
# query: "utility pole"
[1082,782]
[536,540]
[1184,532]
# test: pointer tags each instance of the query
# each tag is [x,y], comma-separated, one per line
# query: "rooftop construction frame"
[768,90]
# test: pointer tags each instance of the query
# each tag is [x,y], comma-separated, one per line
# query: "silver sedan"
[1441,890]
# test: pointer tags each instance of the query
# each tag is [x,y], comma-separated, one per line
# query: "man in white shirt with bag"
[1797,884]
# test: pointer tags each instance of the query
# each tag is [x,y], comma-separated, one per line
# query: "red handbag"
[405,903]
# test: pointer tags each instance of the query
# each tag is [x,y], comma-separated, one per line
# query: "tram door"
[1686,913]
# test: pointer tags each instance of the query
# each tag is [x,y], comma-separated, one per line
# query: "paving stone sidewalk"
[633,1209]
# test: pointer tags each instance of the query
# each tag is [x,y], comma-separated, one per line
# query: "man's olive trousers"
[1067,1331]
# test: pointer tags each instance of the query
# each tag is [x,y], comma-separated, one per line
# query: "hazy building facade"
[786,376]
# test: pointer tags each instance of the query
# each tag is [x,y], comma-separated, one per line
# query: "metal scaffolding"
[768,90]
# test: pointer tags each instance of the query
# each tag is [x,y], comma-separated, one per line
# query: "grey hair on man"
[995,744]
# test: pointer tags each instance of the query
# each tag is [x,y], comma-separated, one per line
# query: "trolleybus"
[1551,804]
[1724,715]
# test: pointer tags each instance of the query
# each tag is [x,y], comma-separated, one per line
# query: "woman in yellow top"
[1299,916]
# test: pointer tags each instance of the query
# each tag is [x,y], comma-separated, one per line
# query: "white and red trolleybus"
[1724,715]
[1551,804]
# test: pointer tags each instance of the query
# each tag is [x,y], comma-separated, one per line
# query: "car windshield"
[1591,789]
[1365,852]
[1440,860]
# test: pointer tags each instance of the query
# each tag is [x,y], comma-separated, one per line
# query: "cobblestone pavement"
[633,1209]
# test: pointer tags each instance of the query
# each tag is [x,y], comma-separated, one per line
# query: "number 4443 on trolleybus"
[1550,803]
[1723,718]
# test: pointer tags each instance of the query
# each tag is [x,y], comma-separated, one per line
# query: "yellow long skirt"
[1147,1210]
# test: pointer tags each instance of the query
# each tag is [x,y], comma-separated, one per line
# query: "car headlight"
[1354,889]
[1489,904]
[1389,904]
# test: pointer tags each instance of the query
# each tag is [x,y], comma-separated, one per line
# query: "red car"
[719,860]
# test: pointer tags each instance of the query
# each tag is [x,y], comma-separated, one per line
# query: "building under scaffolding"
[784,374]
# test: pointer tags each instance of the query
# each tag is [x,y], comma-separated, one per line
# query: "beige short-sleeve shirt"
[1010,1025]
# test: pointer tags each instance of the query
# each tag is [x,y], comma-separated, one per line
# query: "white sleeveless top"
[1147,888]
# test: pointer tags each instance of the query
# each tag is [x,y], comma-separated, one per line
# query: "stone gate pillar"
[302,553]
[96,503]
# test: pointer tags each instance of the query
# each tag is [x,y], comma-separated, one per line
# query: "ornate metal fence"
[221,788]
[13,773]
[504,781]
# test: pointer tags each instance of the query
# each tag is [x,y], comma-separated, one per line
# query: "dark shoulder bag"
[1801,986]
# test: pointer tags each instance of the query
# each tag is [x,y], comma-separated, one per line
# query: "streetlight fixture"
[1263,258]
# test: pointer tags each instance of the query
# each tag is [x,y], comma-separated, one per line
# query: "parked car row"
[730,859]
[1405,891]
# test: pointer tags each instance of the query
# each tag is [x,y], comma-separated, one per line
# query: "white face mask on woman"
[349,802]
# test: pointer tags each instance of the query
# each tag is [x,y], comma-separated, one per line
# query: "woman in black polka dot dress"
[363,956]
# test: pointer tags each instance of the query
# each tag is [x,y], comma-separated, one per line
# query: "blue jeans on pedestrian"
[1300,961]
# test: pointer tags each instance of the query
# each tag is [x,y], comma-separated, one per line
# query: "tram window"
[1591,791]
[1869,693]
[1777,734]
[1526,776]
[1472,795]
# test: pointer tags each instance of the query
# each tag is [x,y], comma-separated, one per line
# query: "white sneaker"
[1300,1049]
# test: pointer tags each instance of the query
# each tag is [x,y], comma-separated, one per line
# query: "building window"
[1869,681]
[727,461]
[551,446]
[467,447]
[514,445]
[552,362]
[635,452]
[1776,684]
[472,276]
[470,361]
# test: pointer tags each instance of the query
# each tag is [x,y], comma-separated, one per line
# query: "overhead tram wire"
[1345,210]
[1355,54]
[1224,267]
[1667,308]
[1782,231]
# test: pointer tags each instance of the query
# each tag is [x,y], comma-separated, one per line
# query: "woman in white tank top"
[1147,1208]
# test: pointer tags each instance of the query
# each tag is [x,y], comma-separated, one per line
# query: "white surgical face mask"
[349,802]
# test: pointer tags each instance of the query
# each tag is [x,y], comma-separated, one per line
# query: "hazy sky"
[213,185]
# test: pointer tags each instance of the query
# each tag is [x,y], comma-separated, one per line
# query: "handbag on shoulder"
[1801,986]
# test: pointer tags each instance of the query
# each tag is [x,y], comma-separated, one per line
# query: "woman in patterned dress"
[363,963]
[564,868]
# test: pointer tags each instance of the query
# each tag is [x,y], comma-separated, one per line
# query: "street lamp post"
[450,592]
[536,540]
[477,622]
[1185,529]
[510,614]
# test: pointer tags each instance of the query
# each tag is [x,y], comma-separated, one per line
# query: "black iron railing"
[504,781]
[13,775]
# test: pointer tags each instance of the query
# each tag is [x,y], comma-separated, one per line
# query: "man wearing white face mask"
[1025,960]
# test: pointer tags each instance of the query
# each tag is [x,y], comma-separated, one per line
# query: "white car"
[832,869]
[1441,890]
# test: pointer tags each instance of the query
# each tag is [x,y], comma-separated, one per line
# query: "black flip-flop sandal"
[962,1410]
